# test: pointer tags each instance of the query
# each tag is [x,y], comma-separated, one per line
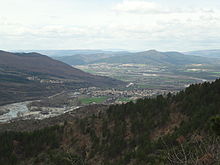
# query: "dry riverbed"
[22,111]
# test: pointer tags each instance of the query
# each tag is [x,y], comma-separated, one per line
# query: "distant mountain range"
[157,58]
[78,57]
[30,75]
[82,59]
[205,53]
[61,53]
[147,57]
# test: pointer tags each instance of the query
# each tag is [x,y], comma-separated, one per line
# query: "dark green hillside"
[176,129]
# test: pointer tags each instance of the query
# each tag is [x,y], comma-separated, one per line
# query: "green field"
[91,100]
[124,99]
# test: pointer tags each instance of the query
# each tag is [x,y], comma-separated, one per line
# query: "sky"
[164,25]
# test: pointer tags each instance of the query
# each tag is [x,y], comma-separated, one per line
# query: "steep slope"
[157,58]
[36,70]
[176,129]
[36,63]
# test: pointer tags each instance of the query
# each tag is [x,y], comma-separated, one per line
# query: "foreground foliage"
[175,129]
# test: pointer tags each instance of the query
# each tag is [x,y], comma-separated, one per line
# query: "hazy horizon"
[133,25]
[110,50]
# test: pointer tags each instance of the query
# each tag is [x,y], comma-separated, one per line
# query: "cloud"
[138,7]
[13,29]
[145,7]
[154,21]
[135,25]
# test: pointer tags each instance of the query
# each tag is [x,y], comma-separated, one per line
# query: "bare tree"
[199,151]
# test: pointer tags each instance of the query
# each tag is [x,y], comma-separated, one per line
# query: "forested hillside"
[173,129]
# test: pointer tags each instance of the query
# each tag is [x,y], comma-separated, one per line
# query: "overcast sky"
[110,24]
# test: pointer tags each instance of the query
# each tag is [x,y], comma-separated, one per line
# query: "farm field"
[90,100]
[155,77]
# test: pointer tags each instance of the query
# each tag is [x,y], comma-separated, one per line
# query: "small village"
[118,96]
[71,100]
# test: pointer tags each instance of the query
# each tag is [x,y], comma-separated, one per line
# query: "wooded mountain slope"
[176,129]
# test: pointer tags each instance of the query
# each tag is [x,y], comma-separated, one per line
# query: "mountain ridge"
[157,58]
[21,73]
[145,57]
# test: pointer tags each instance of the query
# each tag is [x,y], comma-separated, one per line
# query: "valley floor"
[145,76]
